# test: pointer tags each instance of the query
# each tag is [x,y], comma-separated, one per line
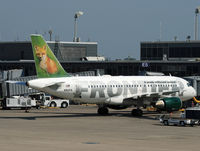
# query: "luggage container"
[18,102]
[193,113]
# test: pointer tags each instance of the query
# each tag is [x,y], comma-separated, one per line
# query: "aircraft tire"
[103,111]
[166,123]
[182,123]
[137,112]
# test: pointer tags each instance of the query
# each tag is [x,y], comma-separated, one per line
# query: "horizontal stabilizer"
[17,82]
[52,84]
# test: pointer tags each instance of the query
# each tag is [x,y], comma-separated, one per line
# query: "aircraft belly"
[92,101]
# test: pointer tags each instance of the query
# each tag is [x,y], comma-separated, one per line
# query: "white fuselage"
[114,89]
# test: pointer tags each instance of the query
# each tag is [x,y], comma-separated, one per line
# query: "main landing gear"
[103,111]
[137,112]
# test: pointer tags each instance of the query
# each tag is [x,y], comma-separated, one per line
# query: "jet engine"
[117,103]
[118,100]
[169,104]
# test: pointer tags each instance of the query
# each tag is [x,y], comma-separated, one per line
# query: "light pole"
[50,34]
[197,11]
[77,14]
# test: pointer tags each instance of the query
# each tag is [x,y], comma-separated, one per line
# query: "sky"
[117,25]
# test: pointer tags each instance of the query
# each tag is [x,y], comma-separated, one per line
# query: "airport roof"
[167,42]
[62,42]
[121,61]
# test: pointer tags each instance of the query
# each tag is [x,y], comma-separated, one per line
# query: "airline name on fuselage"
[99,89]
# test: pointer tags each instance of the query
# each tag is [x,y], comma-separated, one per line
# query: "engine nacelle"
[118,100]
[169,104]
[116,103]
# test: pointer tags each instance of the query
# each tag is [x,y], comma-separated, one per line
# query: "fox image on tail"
[46,63]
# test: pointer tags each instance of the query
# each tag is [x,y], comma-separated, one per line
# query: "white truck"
[18,102]
[50,102]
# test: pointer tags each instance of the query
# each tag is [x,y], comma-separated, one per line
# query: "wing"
[53,84]
[152,94]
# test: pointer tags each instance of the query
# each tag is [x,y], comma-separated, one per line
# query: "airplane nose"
[194,92]
[189,93]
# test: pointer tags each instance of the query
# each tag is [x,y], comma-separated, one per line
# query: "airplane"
[115,92]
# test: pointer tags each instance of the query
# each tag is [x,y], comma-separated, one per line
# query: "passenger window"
[28,102]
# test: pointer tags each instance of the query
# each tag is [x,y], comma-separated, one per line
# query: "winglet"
[47,65]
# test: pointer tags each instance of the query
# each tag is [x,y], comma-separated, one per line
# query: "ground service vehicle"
[18,102]
[50,102]
[177,121]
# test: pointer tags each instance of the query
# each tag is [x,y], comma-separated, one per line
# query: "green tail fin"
[47,65]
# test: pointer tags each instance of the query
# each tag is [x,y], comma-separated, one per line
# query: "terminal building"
[64,51]
[175,58]
[170,50]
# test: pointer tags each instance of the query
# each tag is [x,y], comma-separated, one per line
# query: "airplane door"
[81,89]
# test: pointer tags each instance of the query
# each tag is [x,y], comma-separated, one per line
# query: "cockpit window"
[188,84]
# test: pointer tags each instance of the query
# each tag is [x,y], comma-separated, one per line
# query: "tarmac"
[80,128]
